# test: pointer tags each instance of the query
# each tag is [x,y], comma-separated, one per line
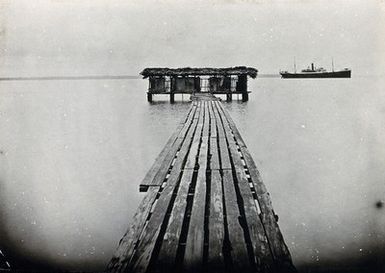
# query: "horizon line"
[115,77]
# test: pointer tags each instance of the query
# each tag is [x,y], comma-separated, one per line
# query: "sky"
[58,37]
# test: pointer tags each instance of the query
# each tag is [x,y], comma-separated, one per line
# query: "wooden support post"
[149,97]
[242,87]
[172,89]
[245,96]
[229,97]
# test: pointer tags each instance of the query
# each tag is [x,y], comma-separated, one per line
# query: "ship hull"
[336,74]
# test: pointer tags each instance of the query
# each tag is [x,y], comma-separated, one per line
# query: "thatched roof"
[188,71]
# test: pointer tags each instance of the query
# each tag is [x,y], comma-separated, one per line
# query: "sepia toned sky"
[57,37]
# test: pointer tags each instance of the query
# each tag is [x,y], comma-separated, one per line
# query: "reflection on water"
[72,154]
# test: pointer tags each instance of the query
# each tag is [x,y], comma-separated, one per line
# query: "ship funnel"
[312,66]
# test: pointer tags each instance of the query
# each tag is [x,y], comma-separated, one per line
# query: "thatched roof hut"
[188,71]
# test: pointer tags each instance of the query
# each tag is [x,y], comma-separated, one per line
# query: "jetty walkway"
[206,208]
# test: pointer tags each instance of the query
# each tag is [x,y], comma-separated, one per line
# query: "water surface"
[72,154]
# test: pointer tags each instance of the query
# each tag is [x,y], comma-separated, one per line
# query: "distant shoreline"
[119,77]
[49,78]
[94,77]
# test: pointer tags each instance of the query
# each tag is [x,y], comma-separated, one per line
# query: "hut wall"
[190,84]
[220,84]
[157,85]
[225,84]
[178,85]
[185,85]
[214,84]
[197,84]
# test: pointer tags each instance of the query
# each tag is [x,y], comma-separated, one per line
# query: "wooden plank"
[127,244]
[184,119]
[280,252]
[167,254]
[202,112]
[244,151]
[213,127]
[156,175]
[262,255]
[199,108]
[214,155]
[227,129]
[211,110]
[193,259]
[215,259]
[206,126]
[191,159]
[224,154]
[223,148]
[232,125]
[141,258]
[257,235]
[195,113]
[237,247]
[221,133]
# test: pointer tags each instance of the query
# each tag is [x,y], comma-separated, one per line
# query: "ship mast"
[295,66]
[332,65]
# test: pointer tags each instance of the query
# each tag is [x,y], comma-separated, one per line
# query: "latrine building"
[227,81]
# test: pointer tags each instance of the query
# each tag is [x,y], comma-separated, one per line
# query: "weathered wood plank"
[211,110]
[127,244]
[225,157]
[214,156]
[156,175]
[244,151]
[280,252]
[206,126]
[195,238]
[227,129]
[231,124]
[262,255]
[167,253]
[221,133]
[144,251]
[191,109]
[237,244]
[202,112]
[213,127]
[215,259]
[223,148]
[192,157]
[195,113]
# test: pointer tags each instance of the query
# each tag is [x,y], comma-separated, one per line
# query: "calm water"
[72,154]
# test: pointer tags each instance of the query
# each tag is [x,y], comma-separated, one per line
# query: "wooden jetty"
[206,208]
[225,81]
